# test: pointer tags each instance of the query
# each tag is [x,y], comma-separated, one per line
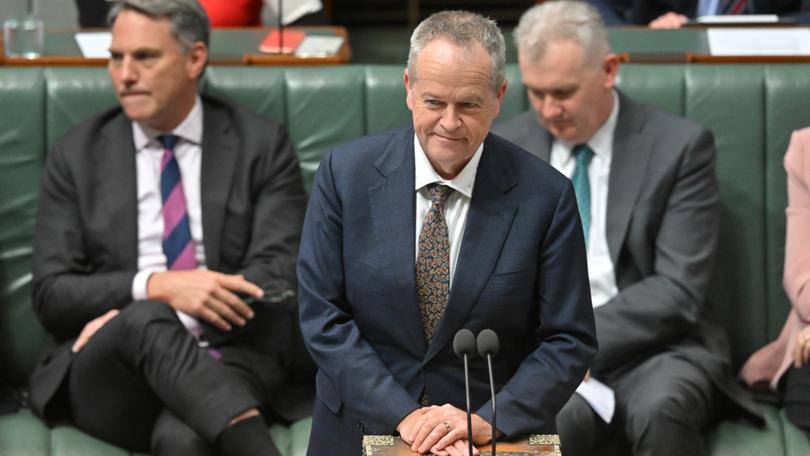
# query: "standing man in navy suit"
[413,234]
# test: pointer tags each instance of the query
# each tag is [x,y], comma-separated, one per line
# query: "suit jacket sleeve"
[278,211]
[660,306]
[611,12]
[352,369]
[566,339]
[68,289]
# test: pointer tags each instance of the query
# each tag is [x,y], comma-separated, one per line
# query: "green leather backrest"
[751,108]
[22,143]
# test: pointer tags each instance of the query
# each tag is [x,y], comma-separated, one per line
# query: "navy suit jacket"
[521,271]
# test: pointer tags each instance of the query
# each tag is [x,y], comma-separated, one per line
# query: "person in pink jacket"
[785,362]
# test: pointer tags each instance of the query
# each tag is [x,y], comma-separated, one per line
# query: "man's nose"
[450,120]
[550,108]
[128,71]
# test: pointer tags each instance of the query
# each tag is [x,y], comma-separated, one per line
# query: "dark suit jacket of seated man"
[642,12]
[121,358]
[653,233]
[386,361]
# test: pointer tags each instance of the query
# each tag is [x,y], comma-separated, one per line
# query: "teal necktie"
[582,185]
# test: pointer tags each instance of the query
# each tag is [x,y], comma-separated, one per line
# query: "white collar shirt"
[600,266]
[148,154]
[458,203]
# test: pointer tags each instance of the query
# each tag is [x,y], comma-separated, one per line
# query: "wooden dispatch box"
[535,444]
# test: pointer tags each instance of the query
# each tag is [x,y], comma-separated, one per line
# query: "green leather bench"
[751,108]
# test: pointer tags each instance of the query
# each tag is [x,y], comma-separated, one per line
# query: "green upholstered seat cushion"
[737,438]
[23,433]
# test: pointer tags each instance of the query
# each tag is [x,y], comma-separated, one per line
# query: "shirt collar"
[190,129]
[462,183]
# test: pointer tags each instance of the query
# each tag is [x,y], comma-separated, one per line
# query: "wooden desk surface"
[229,46]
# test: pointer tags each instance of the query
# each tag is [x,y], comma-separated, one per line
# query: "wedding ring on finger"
[446,426]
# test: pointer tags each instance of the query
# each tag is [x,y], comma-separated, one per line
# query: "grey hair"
[562,20]
[464,29]
[189,22]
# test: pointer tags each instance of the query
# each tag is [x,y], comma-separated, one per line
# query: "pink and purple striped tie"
[177,243]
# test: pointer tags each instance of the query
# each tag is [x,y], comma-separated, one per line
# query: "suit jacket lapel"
[488,222]
[118,183]
[392,206]
[631,151]
[220,147]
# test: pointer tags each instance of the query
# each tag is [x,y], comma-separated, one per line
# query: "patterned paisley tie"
[433,262]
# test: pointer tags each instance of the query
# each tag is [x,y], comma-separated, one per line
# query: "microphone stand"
[469,412]
[464,346]
[488,345]
[492,391]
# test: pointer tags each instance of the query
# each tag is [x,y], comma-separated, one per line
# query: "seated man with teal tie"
[648,200]
[674,13]
[158,219]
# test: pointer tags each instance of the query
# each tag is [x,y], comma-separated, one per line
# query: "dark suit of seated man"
[416,233]
[157,220]
[669,14]
[646,187]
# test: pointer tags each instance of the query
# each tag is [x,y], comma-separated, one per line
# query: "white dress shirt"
[148,154]
[600,266]
[457,205]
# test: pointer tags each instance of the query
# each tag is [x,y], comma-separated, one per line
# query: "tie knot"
[168,141]
[582,154]
[439,193]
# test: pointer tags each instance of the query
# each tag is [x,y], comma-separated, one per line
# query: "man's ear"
[408,82]
[611,68]
[198,57]
[499,96]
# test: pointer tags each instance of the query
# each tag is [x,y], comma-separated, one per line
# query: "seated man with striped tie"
[648,201]
[158,219]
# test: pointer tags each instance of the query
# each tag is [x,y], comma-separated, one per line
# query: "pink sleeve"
[797,244]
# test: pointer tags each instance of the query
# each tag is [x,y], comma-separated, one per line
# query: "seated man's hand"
[204,294]
[438,429]
[91,328]
[669,20]
[801,351]
[762,365]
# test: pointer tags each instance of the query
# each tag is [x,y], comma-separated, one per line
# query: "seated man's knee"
[576,426]
[171,436]
[140,314]
[660,415]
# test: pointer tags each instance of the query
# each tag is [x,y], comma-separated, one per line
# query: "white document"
[759,41]
[319,46]
[600,397]
[739,19]
[94,45]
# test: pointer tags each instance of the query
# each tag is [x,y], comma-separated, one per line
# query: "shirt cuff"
[139,285]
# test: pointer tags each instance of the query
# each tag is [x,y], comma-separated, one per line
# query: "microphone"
[464,348]
[488,345]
